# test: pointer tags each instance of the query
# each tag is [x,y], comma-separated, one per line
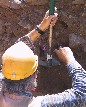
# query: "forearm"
[43,26]
[78,77]
[31,37]
[34,34]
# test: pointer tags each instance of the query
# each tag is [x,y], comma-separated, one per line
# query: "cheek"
[35,75]
[35,82]
[34,87]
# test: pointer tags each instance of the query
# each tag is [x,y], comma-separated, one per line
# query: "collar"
[28,94]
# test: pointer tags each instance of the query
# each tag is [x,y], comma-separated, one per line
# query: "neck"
[17,101]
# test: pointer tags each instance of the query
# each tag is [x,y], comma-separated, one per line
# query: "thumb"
[70,54]
[47,14]
[50,17]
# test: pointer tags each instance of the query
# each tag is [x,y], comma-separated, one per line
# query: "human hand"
[36,102]
[65,55]
[47,20]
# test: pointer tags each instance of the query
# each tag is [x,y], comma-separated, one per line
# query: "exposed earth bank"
[16,20]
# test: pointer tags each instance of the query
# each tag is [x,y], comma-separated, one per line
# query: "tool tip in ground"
[49,63]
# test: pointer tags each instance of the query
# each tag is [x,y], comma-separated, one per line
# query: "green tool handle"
[52,5]
[51,12]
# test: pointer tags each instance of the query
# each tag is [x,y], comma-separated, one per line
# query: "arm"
[31,37]
[44,25]
[74,97]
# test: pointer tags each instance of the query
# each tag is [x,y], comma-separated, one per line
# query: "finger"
[56,14]
[55,9]
[60,47]
[68,50]
[50,18]
[53,22]
[54,17]
[47,14]
[56,51]
[57,47]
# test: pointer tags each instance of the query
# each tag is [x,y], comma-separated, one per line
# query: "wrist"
[70,62]
[42,27]
[39,29]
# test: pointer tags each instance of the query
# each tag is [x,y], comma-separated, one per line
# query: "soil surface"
[16,20]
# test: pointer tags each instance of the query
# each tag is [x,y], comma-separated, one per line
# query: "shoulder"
[27,41]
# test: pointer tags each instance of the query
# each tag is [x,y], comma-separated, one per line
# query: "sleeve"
[74,97]
[27,41]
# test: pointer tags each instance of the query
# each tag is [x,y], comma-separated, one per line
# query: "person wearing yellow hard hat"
[19,62]
[19,73]
[19,67]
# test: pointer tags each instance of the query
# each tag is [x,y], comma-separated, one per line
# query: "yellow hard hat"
[19,62]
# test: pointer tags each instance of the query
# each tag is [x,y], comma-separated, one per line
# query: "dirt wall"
[16,20]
